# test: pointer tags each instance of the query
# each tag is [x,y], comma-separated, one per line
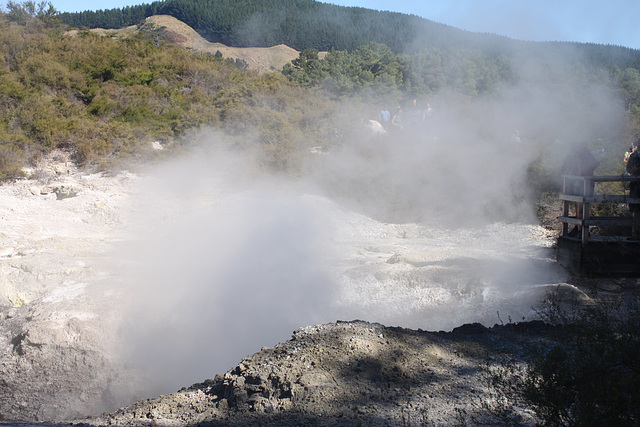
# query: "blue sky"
[592,21]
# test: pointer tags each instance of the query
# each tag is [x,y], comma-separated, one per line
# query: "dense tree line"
[375,69]
[300,24]
[380,51]
[404,52]
[308,24]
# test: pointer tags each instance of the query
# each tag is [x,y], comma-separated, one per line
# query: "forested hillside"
[309,24]
[300,24]
[386,54]
[107,97]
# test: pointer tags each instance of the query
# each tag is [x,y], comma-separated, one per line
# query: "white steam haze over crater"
[221,263]
[429,229]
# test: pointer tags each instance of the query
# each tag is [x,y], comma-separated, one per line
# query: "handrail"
[588,198]
[604,178]
[600,198]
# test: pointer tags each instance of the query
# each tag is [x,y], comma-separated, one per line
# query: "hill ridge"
[261,59]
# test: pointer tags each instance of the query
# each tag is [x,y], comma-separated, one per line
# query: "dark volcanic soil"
[355,373]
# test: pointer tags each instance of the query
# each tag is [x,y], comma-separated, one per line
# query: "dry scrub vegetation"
[106,96]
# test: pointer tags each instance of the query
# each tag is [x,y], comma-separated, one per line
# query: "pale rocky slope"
[260,59]
[56,317]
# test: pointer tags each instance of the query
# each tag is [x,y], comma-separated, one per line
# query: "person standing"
[396,121]
[630,151]
[427,113]
[413,116]
[633,168]
[516,137]
[384,116]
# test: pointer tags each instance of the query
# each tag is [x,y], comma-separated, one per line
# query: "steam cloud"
[225,261]
[217,273]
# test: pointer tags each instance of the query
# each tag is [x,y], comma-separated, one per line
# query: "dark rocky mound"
[353,373]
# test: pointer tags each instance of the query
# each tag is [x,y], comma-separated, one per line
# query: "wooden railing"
[589,198]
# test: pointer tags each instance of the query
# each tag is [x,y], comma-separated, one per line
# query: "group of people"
[581,162]
[411,117]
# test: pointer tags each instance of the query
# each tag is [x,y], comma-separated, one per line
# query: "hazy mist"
[427,228]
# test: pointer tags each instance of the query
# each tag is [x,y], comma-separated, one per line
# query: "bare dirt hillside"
[56,319]
[258,58]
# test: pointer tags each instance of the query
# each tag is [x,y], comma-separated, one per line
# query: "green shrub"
[587,374]
[591,375]
[12,156]
[102,106]
[44,69]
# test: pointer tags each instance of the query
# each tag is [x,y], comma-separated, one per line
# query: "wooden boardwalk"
[612,251]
